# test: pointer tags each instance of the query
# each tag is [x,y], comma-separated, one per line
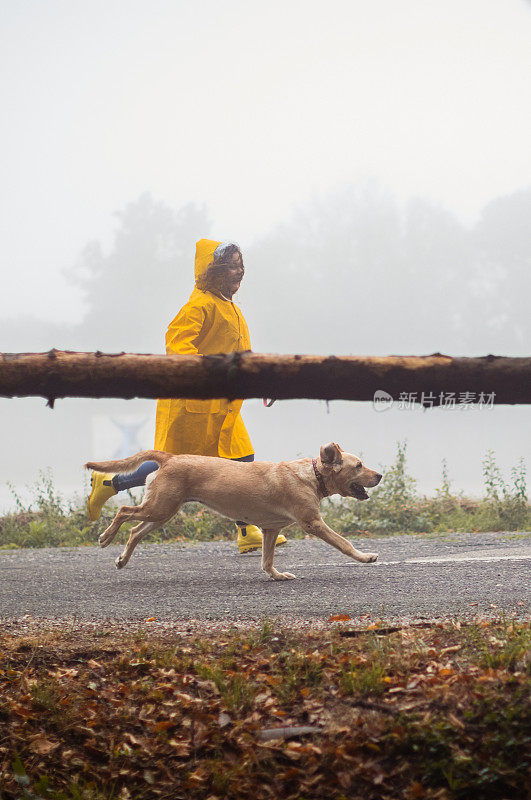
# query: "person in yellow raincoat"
[208,323]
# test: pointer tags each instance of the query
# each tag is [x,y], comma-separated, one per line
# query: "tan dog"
[270,495]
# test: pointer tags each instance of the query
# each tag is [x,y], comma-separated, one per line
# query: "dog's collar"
[320,481]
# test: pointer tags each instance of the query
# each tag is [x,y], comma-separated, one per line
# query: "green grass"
[236,690]
[510,649]
[366,676]
[394,507]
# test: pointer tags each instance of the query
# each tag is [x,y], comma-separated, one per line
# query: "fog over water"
[372,160]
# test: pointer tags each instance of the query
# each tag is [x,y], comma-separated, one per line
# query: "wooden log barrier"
[60,373]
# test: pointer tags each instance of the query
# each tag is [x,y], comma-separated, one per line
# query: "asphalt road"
[414,578]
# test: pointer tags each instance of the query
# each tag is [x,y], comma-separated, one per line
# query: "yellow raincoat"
[206,325]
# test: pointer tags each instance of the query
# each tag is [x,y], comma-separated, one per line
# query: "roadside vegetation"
[436,711]
[395,507]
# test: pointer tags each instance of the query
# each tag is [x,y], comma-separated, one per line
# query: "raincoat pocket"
[203,406]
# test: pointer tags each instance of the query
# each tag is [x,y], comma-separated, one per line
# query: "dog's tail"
[131,463]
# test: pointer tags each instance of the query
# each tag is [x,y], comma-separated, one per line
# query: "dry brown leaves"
[264,713]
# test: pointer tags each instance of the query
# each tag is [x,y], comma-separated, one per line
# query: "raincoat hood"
[209,250]
[204,253]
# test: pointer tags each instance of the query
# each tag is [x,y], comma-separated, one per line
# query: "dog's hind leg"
[124,515]
[317,527]
[269,538]
[156,509]
[136,536]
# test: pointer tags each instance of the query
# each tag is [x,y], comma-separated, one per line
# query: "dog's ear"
[331,456]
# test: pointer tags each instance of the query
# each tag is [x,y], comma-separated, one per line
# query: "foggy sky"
[251,108]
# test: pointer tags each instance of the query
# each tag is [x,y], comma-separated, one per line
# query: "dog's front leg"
[109,533]
[269,538]
[318,527]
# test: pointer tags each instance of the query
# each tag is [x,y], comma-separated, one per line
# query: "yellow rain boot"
[102,489]
[250,538]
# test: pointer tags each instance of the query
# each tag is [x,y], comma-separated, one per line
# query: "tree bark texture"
[60,373]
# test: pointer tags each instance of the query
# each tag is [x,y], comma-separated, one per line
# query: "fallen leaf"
[273,680]
[223,719]
[415,790]
[339,618]
[379,778]
[181,748]
[345,779]
[198,776]
[445,671]
[132,738]
[262,697]
[455,721]
[209,685]
[41,745]
[164,724]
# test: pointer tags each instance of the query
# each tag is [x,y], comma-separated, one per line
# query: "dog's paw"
[119,563]
[370,557]
[285,576]
[103,540]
